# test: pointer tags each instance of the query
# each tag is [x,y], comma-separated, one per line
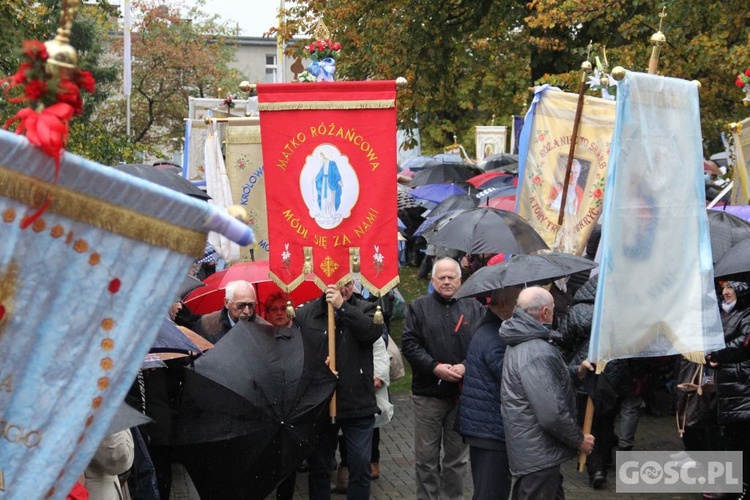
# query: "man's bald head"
[538,303]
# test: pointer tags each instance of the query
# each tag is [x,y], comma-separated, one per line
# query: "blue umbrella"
[436,192]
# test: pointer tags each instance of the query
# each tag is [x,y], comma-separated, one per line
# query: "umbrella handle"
[332,355]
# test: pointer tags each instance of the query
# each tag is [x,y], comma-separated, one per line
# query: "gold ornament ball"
[62,58]
[658,39]
[618,73]
[604,81]
[697,84]
[401,81]
[245,86]
[586,66]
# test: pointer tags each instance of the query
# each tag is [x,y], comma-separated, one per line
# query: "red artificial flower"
[35,89]
[85,80]
[311,47]
[319,45]
[21,74]
[34,49]
[337,46]
[68,92]
[747,72]
[47,130]
[739,83]
[598,193]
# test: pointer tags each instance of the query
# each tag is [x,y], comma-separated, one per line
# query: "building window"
[271,69]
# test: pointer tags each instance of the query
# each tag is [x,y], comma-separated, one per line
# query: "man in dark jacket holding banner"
[538,400]
[435,340]
[355,394]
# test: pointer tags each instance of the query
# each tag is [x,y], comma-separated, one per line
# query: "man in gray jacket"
[538,400]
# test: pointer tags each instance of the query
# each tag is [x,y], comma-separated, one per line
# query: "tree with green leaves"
[174,57]
[706,41]
[467,60]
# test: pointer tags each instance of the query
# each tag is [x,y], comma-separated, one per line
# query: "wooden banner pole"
[586,68]
[587,421]
[332,356]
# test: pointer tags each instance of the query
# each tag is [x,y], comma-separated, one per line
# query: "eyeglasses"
[242,305]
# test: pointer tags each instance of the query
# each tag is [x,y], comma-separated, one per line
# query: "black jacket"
[355,334]
[733,373]
[480,416]
[437,330]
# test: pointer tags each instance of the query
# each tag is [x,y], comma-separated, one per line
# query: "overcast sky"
[254,17]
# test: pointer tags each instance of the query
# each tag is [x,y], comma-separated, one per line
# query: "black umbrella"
[432,225]
[189,283]
[249,409]
[735,263]
[441,173]
[496,161]
[164,178]
[454,202]
[488,230]
[524,269]
[726,231]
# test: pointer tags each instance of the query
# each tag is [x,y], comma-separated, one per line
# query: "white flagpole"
[280,44]
[126,79]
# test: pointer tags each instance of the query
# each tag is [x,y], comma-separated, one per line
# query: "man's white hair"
[232,287]
[441,259]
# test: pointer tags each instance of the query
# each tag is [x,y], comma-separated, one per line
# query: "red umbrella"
[210,298]
[480,179]
[502,202]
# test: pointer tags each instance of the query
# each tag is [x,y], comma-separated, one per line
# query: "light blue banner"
[80,304]
[656,293]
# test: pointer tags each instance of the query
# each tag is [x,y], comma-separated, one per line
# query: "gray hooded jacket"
[538,399]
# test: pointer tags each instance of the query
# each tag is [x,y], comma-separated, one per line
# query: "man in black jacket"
[355,394]
[435,340]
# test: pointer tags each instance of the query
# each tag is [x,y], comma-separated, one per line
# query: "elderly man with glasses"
[239,305]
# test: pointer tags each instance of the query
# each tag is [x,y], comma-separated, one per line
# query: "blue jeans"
[357,433]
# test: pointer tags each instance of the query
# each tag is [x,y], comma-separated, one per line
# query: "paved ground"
[397,462]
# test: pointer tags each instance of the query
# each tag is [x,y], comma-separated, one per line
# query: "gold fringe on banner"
[95,212]
[307,268]
[291,286]
[354,259]
[379,292]
[308,105]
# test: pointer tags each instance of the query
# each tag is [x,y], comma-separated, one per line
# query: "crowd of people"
[499,387]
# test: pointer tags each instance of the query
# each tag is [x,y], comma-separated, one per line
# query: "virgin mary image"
[328,185]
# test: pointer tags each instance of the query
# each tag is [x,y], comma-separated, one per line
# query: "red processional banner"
[329,155]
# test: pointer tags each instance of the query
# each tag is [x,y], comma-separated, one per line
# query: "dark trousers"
[490,473]
[546,483]
[357,434]
[603,429]
[374,457]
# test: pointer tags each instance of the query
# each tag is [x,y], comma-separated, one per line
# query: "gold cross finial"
[588,50]
[662,15]
[321,31]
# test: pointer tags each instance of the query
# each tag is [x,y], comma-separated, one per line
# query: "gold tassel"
[307,268]
[378,319]
[354,259]
[290,310]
